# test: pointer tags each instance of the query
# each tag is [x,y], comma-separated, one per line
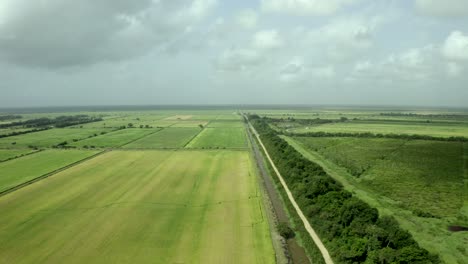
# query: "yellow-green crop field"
[141,207]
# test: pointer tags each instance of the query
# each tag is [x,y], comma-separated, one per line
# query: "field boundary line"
[47,175]
[195,136]
[308,227]
[23,155]
[142,137]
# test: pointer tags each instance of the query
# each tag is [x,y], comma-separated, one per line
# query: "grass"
[141,207]
[49,138]
[6,154]
[20,170]
[420,176]
[170,137]
[430,129]
[115,139]
[220,138]
[226,124]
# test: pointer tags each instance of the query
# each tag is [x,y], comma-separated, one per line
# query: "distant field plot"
[170,137]
[190,123]
[437,130]
[179,117]
[232,116]
[141,207]
[49,138]
[17,171]
[355,154]
[6,131]
[12,153]
[226,124]
[116,138]
[220,138]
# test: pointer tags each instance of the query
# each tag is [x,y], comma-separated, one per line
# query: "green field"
[115,139]
[49,138]
[421,182]
[141,207]
[17,171]
[220,138]
[226,124]
[170,137]
[6,154]
[436,130]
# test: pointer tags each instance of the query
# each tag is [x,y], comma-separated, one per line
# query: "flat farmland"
[220,138]
[17,171]
[225,123]
[171,137]
[436,130]
[116,138]
[49,137]
[12,153]
[141,207]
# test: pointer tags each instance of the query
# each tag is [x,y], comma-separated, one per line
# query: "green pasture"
[436,130]
[141,207]
[49,138]
[171,137]
[17,171]
[116,138]
[220,138]
[6,154]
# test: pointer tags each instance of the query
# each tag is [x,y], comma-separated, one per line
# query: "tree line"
[352,230]
[60,121]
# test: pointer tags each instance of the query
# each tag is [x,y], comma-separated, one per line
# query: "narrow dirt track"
[308,227]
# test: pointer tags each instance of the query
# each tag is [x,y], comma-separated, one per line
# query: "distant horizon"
[129,107]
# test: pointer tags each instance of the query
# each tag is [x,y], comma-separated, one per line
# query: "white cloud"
[305,7]
[454,69]
[239,60]
[296,70]
[443,8]
[63,33]
[267,39]
[343,39]
[414,65]
[456,46]
[247,19]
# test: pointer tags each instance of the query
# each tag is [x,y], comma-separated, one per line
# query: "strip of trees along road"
[308,227]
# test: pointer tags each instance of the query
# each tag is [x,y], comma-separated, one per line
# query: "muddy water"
[294,251]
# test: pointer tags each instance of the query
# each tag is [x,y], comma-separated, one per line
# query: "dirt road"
[308,227]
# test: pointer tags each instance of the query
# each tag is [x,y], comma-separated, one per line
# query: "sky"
[166,52]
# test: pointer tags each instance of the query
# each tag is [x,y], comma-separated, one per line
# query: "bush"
[285,231]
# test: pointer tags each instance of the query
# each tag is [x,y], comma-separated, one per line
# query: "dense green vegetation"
[60,121]
[352,230]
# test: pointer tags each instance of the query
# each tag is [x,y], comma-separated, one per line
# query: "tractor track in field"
[307,226]
[49,174]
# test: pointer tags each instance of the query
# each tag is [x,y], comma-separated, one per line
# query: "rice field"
[141,207]
[171,137]
[220,138]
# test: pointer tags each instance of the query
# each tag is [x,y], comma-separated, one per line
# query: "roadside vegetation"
[351,229]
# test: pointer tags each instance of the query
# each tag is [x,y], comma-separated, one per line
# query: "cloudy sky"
[121,52]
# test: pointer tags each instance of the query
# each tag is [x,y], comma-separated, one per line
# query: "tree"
[201,126]
[285,231]
[130,125]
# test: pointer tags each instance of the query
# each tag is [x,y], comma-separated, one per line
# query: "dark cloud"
[64,33]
